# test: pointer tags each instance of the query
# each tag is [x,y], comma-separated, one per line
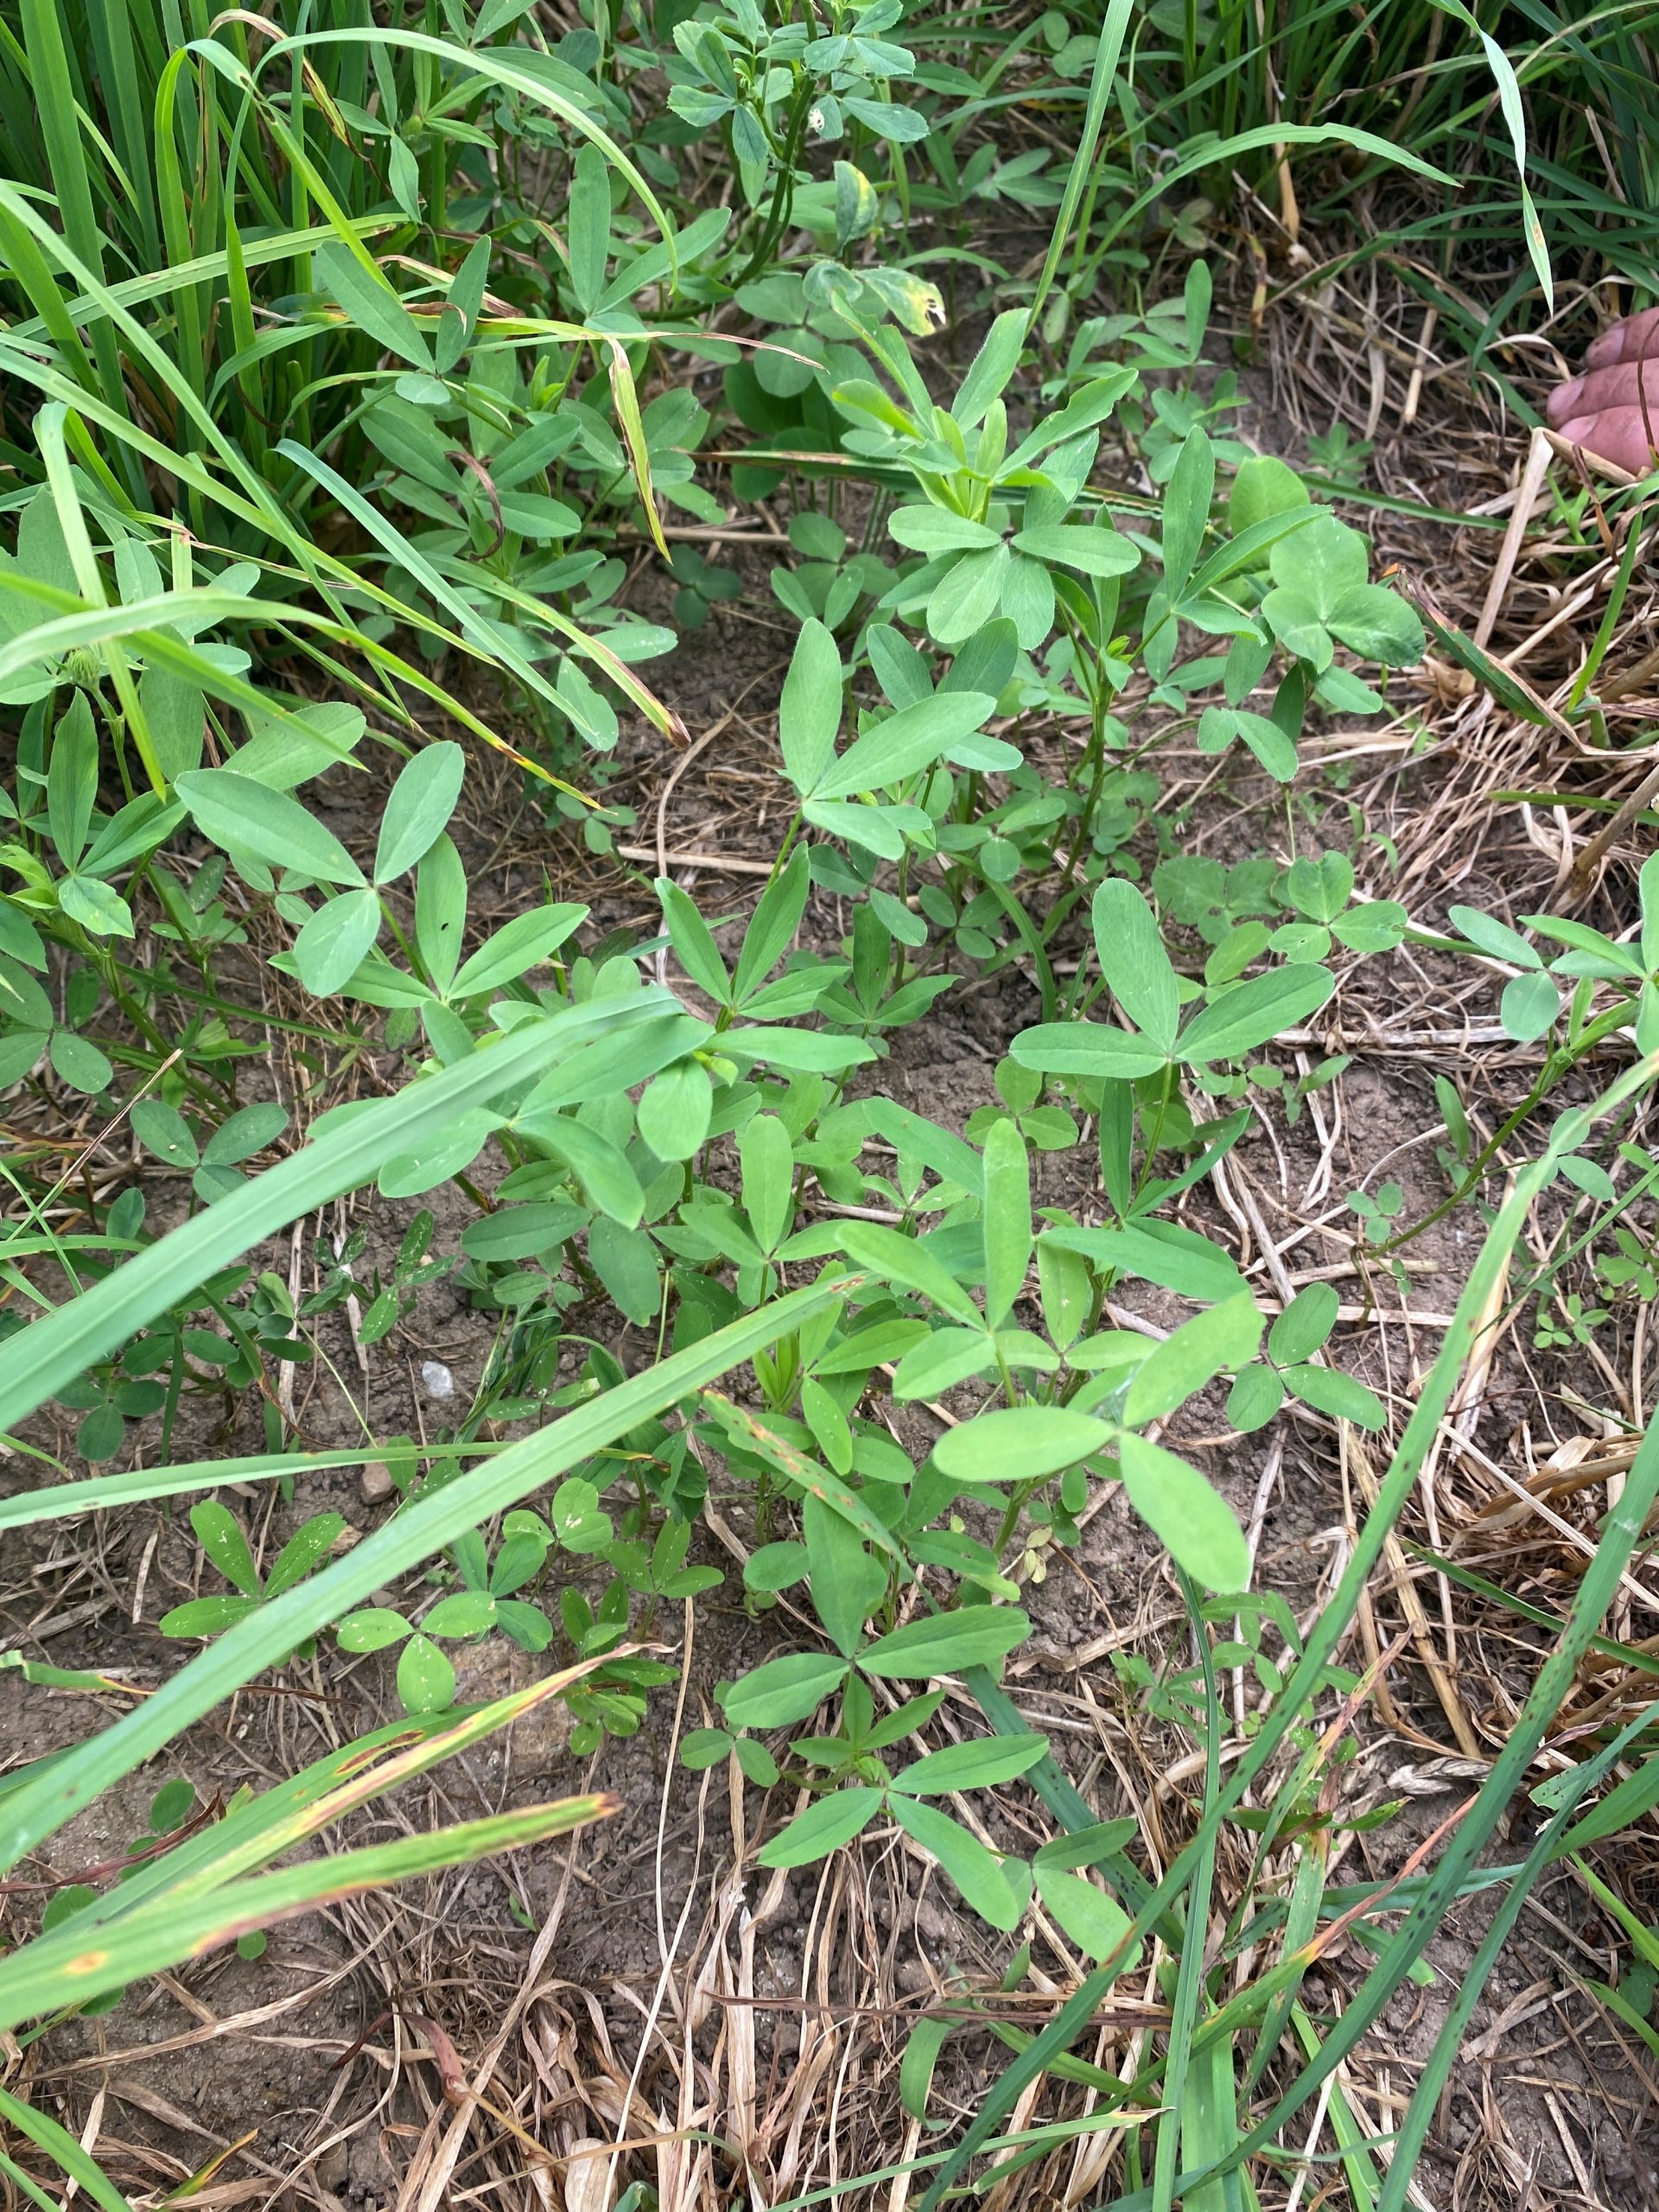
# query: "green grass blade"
[1197,2106]
[1615,1548]
[29,2189]
[1627,1655]
[28,268]
[1206,2102]
[63,1968]
[189,295]
[55,454]
[265,1637]
[1430,1906]
[385,533]
[1112,31]
[112,30]
[138,621]
[1358,2166]
[1628,1801]
[135,1486]
[61,2147]
[496,65]
[161,647]
[39,1360]
[1644,1941]
[253,1834]
[86,308]
[60,115]
[1301,1920]
[319,570]
[1265,134]
[1328,1631]
[251,496]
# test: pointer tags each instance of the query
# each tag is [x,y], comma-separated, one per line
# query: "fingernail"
[1562,401]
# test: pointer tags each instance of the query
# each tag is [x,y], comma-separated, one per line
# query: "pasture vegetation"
[351,359]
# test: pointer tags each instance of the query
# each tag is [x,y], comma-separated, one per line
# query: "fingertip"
[1561,402]
[1619,435]
[1607,351]
[1633,338]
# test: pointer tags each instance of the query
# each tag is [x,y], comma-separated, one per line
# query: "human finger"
[1623,385]
[1634,339]
[1617,434]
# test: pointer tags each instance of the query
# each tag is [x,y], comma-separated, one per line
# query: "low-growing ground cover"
[828,986]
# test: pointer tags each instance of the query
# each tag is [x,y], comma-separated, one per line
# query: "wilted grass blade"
[66,1969]
[254,1833]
